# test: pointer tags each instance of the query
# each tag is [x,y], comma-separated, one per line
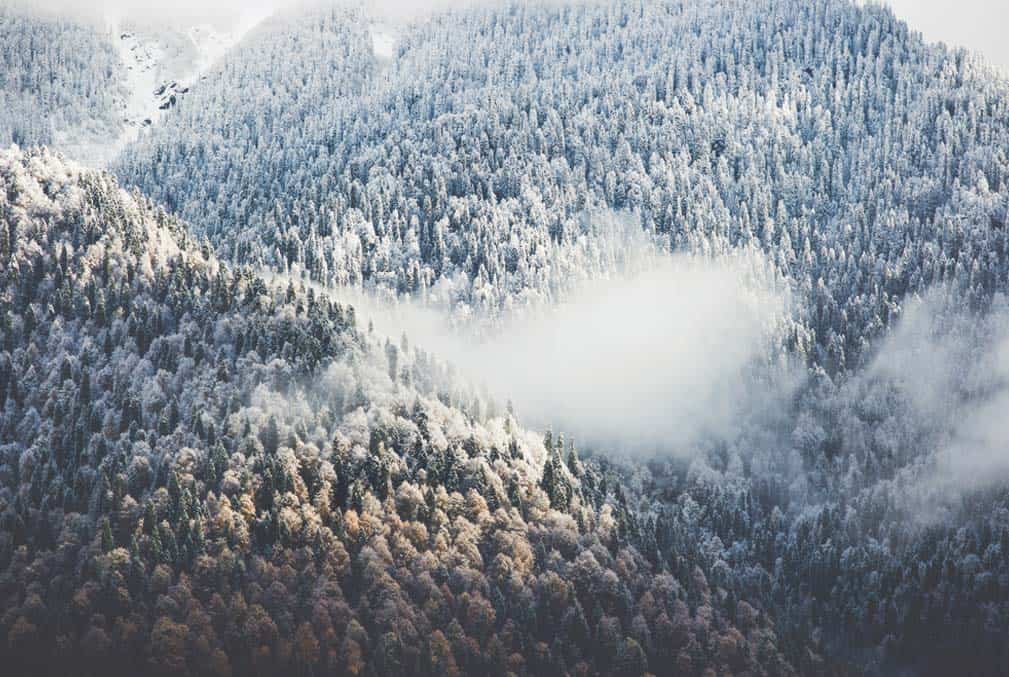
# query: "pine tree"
[270,436]
[108,542]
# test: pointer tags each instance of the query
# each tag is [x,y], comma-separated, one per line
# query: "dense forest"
[212,463]
[204,474]
[866,163]
[59,80]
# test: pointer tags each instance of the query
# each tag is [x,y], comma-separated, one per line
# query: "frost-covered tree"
[59,79]
[216,475]
[474,170]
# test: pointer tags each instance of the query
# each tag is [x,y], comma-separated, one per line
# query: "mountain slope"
[87,83]
[58,81]
[162,63]
[488,161]
[204,474]
[469,169]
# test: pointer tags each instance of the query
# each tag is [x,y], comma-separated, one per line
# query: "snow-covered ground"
[141,58]
[161,65]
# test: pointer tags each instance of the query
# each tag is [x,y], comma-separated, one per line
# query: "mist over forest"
[636,337]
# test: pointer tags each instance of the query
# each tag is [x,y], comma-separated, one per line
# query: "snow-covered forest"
[214,461]
[58,81]
[206,474]
[865,162]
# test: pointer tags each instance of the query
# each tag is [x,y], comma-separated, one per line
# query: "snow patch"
[141,59]
[161,65]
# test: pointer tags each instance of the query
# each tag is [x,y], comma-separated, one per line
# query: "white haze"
[226,13]
[978,25]
[652,361]
[655,361]
[223,15]
[953,369]
[977,455]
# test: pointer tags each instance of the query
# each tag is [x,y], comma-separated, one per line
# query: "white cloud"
[654,361]
[952,369]
[649,361]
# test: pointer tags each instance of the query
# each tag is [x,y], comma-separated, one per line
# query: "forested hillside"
[59,80]
[868,164]
[210,465]
[204,474]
